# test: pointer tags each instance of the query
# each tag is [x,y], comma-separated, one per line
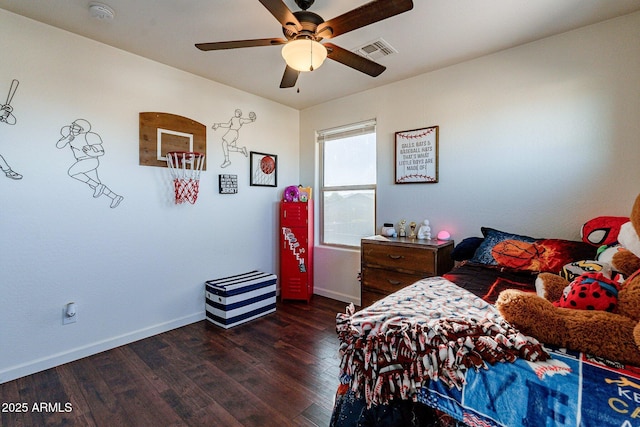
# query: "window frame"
[321,139]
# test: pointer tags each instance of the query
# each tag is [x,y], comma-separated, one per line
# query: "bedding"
[392,374]
[527,253]
[486,281]
[569,389]
[432,330]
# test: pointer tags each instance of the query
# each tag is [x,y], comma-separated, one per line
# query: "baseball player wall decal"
[230,138]
[86,147]
[7,117]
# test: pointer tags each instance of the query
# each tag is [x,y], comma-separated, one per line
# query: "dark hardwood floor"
[279,370]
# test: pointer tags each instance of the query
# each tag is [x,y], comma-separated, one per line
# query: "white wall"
[138,269]
[536,139]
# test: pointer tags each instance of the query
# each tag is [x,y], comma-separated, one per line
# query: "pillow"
[492,237]
[466,248]
[573,270]
[527,253]
[576,269]
[555,253]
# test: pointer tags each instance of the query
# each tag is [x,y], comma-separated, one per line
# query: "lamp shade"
[304,54]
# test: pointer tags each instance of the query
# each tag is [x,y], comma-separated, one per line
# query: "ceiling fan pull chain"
[311,61]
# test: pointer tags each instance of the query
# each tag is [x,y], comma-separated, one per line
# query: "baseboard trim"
[339,296]
[38,365]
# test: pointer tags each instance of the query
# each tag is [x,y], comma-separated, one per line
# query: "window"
[348,193]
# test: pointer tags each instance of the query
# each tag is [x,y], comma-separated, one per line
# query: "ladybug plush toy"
[590,291]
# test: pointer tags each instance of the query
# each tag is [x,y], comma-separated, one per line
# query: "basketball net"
[185,168]
[261,178]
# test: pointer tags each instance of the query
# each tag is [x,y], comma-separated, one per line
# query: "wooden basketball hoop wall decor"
[185,170]
[161,133]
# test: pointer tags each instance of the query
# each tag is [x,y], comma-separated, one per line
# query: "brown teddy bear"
[611,335]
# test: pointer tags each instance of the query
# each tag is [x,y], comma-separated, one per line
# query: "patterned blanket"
[432,330]
[570,389]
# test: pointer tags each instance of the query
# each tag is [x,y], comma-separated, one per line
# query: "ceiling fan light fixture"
[304,54]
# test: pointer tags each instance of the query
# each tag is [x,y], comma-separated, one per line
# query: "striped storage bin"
[233,300]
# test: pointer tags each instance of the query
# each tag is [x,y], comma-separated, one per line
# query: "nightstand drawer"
[386,281]
[399,258]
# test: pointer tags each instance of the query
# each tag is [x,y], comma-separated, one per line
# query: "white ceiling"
[435,34]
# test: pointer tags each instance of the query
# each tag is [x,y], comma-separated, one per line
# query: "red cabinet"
[296,250]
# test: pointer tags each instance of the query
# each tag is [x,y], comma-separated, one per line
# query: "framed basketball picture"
[263,169]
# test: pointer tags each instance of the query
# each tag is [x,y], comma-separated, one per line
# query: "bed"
[438,353]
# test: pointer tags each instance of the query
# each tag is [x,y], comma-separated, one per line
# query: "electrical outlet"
[69,313]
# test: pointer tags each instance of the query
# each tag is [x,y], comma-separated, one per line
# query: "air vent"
[375,49]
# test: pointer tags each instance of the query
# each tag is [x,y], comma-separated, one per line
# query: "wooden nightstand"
[390,264]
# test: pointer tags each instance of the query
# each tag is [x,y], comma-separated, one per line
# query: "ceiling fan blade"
[353,60]
[239,43]
[362,16]
[283,14]
[289,78]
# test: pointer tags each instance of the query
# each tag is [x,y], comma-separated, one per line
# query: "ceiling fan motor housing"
[304,4]
[309,22]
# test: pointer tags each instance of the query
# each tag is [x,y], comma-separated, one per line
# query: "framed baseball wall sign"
[416,156]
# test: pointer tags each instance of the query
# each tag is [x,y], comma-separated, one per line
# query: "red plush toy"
[602,230]
[590,291]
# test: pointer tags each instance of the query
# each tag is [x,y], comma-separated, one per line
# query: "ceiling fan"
[303,31]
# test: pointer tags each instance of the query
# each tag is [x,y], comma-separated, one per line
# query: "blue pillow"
[466,248]
[491,238]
